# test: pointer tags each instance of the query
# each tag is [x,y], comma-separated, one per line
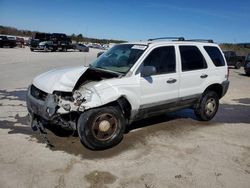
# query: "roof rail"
[168,38]
[201,40]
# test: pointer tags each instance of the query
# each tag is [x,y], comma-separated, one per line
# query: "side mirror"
[148,71]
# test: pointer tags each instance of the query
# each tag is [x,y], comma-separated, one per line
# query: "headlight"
[83,95]
[77,95]
[87,94]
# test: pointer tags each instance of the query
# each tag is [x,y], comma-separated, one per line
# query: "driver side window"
[163,59]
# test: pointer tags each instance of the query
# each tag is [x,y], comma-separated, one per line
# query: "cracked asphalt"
[172,150]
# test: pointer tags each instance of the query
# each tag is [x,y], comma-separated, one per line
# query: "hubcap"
[104,127]
[210,106]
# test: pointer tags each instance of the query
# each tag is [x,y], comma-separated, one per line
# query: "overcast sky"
[223,21]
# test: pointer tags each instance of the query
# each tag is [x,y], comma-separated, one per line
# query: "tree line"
[5,30]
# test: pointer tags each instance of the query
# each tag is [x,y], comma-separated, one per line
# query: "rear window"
[215,55]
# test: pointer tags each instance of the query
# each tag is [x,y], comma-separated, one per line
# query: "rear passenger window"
[191,58]
[163,59]
[216,56]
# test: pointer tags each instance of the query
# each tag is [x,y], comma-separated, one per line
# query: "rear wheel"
[238,65]
[64,49]
[101,128]
[46,48]
[208,106]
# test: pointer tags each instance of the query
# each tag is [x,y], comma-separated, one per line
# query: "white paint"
[63,79]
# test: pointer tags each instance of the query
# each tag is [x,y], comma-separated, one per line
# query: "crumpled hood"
[63,79]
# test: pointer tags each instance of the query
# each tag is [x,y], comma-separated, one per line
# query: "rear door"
[194,72]
[163,87]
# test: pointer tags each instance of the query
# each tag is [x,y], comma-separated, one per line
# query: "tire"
[46,48]
[208,106]
[31,49]
[237,65]
[247,72]
[101,128]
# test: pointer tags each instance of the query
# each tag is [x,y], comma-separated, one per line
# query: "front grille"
[37,93]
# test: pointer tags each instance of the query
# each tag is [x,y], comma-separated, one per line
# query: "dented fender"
[98,93]
[108,91]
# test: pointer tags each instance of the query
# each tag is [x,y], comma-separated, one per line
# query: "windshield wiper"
[108,70]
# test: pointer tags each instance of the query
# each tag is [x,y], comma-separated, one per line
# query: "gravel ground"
[174,150]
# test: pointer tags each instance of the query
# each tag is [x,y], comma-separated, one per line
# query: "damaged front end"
[63,107]
[44,107]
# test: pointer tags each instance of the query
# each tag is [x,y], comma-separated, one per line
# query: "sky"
[133,20]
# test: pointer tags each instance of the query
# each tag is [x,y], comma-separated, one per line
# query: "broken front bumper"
[44,107]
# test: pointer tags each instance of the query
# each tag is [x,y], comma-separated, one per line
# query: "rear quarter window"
[215,55]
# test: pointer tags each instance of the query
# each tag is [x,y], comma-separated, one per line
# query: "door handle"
[171,81]
[204,76]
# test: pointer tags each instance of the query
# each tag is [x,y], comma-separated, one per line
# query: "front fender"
[110,91]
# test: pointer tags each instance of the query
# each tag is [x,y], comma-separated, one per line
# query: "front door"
[162,88]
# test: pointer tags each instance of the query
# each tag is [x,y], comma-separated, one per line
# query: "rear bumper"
[45,109]
[225,86]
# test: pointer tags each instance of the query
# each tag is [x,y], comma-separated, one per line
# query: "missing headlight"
[64,95]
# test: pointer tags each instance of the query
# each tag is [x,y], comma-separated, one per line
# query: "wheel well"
[217,88]
[124,105]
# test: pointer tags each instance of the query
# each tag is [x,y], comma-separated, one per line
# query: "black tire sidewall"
[238,65]
[85,124]
[200,112]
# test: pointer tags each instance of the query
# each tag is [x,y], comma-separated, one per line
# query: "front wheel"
[208,106]
[101,128]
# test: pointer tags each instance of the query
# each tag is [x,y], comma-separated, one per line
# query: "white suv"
[131,81]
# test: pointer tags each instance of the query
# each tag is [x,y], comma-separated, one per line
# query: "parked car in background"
[55,41]
[20,42]
[97,46]
[46,46]
[247,65]
[81,47]
[7,41]
[37,38]
[233,59]
[61,42]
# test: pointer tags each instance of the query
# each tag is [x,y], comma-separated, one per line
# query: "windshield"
[120,58]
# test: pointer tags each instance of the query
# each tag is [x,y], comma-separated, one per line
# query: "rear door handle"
[171,81]
[204,76]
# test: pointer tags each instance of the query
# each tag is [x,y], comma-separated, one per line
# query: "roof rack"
[182,39]
[168,38]
[201,40]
